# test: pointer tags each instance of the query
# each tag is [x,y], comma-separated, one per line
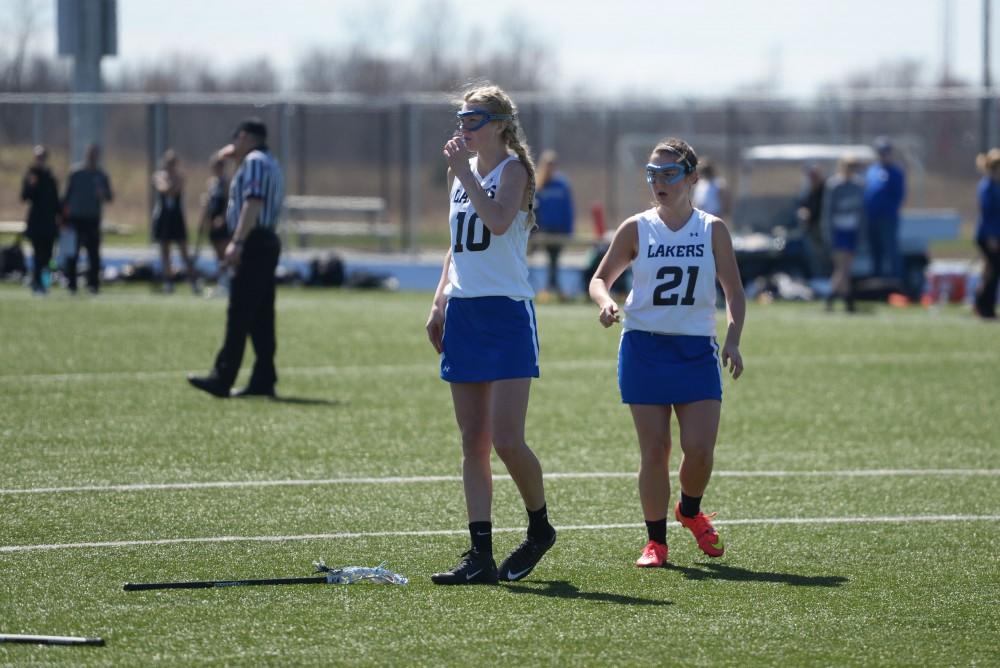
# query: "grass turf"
[92,393]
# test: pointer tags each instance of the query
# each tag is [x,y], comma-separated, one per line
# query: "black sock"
[690,505]
[482,537]
[657,530]
[538,524]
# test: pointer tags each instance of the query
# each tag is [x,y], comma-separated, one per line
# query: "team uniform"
[490,331]
[844,212]
[216,208]
[668,352]
[168,218]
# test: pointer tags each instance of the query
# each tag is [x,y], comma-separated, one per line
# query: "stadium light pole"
[87,31]
[987,122]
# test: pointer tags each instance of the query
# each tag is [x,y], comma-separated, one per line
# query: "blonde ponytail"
[511,135]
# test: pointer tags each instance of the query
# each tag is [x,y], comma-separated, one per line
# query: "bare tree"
[317,71]
[903,73]
[253,76]
[18,37]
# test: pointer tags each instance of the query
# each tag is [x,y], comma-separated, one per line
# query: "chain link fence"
[351,145]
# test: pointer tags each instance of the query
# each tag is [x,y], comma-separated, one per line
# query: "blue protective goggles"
[476,118]
[669,173]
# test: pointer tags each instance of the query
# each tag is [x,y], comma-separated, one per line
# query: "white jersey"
[484,264]
[673,277]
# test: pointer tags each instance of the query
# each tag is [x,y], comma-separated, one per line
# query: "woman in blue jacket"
[553,213]
[988,232]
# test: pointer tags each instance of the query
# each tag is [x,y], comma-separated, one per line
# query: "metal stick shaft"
[49,640]
[209,584]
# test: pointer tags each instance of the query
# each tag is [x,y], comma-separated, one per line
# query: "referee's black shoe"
[209,384]
[251,391]
[474,568]
[524,558]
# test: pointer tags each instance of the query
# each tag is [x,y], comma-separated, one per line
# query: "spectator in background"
[843,213]
[553,213]
[710,193]
[885,189]
[809,214]
[988,233]
[213,221]
[40,189]
[169,225]
[87,189]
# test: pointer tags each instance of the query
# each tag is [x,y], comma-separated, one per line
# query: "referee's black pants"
[251,311]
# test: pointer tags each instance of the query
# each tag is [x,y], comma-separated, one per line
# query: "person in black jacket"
[88,188]
[41,191]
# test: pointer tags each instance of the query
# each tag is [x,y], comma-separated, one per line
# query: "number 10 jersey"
[485,264]
[673,277]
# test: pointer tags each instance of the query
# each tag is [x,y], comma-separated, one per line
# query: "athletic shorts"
[845,240]
[489,338]
[666,369]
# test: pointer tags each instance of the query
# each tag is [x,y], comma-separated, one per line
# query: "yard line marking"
[884,519]
[404,480]
[856,359]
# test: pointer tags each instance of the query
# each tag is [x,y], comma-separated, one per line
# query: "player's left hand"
[732,360]
[232,256]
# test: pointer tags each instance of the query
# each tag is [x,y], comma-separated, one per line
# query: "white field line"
[429,368]
[883,519]
[405,480]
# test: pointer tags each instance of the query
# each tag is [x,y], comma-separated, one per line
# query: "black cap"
[253,126]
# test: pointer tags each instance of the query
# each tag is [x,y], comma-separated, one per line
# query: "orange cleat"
[701,526]
[653,555]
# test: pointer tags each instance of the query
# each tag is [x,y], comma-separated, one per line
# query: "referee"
[255,196]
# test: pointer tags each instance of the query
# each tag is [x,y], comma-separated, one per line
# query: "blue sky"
[692,48]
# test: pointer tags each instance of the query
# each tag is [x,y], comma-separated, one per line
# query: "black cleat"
[210,385]
[249,391]
[524,558]
[474,568]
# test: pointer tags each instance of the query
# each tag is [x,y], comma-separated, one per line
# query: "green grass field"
[857,485]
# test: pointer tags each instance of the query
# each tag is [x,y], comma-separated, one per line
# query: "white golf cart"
[766,231]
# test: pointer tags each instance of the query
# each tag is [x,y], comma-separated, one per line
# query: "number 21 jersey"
[485,264]
[673,277]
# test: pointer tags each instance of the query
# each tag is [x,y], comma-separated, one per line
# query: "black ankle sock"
[657,530]
[538,524]
[482,537]
[690,505]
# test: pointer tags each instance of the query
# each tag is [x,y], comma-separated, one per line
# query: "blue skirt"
[845,240]
[667,369]
[489,338]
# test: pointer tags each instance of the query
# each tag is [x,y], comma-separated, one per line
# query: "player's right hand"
[609,314]
[435,328]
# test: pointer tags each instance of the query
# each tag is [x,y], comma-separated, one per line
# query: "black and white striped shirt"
[258,177]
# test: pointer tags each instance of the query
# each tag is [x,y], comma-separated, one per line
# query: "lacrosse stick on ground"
[49,640]
[345,575]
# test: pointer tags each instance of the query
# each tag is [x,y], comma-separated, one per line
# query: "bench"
[318,215]
[19,227]
[12,226]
